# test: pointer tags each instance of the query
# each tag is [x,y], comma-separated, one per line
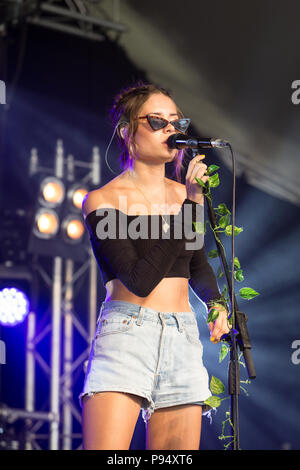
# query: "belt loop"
[180,326]
[162,318]
[100,313]
[140,316]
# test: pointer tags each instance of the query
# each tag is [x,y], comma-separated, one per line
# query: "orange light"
[78,197]
[53,191]
[47,223]
[75,229]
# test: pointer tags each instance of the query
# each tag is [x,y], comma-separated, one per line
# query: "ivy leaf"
[237,230]
[223,352]
[201,182]
[236,263]
[211,169]
[214,181]
[217,387]
[224,220]
[248,293]
[238,275]
[213,254]
[213,401]
[199,227]
[222,209]
[213,315]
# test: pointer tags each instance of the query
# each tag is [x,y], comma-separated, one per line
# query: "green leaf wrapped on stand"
[222,209]
[223,352]
[213,401]
[248,293]
[213,315]
[211,169]
[237,230]
[214,181]
[216,386]
[222,225]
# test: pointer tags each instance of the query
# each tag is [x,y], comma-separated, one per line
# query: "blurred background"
[234,69]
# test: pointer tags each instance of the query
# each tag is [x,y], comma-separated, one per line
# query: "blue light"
[14,306]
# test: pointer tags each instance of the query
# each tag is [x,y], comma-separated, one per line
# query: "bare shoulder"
[91,201]
[96,199]
[101,197]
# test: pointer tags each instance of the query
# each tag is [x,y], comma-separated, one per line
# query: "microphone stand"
[241,339]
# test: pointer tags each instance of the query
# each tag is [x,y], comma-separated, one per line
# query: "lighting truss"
[62,286]
[85,18]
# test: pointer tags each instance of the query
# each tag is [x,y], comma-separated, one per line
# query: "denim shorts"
[156,355]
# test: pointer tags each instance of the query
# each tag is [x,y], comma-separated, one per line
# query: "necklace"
[165,226]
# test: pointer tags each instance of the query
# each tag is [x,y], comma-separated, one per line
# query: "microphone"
[182,141]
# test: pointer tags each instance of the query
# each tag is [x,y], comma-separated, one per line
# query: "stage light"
[73,229]
[76,195]
[46,223]
[52,191]
[14,306]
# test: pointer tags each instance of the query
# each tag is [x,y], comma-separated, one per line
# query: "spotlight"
[46,223]
[76,195]
[52,192]
[73,229]
[14,306]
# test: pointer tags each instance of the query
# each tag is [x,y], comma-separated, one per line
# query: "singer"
[146,352]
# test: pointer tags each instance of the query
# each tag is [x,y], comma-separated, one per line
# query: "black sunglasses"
[156,122]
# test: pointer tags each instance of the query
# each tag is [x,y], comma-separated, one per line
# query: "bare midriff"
[170,295]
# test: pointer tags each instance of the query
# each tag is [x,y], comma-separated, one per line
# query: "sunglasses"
[156,122]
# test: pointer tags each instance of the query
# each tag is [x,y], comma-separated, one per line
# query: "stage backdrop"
[235,69]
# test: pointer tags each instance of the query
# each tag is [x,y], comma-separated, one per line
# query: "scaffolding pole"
[55,352]
[68,357]
[30,373]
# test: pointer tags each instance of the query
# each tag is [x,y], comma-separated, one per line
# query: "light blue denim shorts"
[156,355]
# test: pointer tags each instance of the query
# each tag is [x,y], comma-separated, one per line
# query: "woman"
[146,351]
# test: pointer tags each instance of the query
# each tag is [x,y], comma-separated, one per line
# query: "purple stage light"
[14,306]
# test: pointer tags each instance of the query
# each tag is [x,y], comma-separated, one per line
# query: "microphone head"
[172,140]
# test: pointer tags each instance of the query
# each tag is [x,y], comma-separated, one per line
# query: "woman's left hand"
[220,326]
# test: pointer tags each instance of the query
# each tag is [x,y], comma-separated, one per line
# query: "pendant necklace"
[165,226]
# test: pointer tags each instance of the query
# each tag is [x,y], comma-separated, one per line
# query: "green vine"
[223,226]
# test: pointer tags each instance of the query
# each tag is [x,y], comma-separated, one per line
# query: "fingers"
[199,171]
[219,327]
[195,167]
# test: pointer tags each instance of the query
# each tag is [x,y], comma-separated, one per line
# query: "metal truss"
[62,368]
[85,18]
[61,323]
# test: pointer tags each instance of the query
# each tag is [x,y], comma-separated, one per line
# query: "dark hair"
[124,112]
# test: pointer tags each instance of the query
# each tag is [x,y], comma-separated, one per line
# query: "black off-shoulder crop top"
[140,259]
